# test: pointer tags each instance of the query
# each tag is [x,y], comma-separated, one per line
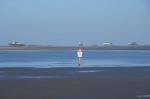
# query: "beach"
[75,49]
[75,83]
[70,48]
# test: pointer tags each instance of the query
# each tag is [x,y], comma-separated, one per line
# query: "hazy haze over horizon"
[66,22]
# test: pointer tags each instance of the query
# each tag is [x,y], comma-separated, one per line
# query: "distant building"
[16,44]
[133,44]
[80,44]
[107,44]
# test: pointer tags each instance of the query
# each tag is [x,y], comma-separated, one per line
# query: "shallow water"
[6,77]
[50,59]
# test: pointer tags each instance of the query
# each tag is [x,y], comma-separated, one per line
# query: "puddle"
[32,77]
[89,71]
[144,96]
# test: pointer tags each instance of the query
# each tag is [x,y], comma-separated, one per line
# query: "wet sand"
[75,83]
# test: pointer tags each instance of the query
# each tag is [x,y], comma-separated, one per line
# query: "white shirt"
[79,54]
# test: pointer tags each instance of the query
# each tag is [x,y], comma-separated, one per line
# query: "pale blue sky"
[66,22]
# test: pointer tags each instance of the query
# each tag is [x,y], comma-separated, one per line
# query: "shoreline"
[8,48]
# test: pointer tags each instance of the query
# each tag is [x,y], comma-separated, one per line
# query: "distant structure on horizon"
[133,44]
[80,44]
[16,44]
[107,44]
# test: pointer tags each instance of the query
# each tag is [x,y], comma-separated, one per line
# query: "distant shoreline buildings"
[103,46]
[16,44]
[80,44]
[107,44]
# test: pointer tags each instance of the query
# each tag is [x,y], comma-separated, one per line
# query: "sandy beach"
[75,49]
[75,83]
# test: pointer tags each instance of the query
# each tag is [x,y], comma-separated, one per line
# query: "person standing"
[79,56]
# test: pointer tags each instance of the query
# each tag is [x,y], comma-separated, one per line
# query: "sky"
[67,22]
